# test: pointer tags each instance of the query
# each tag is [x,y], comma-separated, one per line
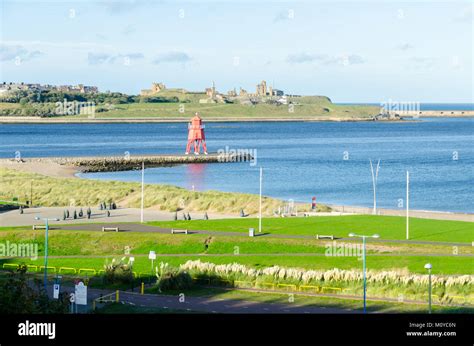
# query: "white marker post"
[408,203]
[374,183]
[143,191]
[260,209]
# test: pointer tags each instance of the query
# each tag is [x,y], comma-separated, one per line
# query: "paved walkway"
[207,304]
[14,218]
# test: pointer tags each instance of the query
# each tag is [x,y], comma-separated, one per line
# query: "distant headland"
[37,103]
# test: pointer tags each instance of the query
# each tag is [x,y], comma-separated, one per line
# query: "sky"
[350,51]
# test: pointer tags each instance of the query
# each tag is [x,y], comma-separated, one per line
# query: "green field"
[93,248]
[307,107]
[388,227]
[414,264]
[170,110]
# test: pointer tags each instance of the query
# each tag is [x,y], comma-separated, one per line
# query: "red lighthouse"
[196,135]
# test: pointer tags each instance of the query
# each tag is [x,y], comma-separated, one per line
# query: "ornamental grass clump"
[386,281]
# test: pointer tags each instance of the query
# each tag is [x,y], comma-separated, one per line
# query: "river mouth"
[329,161]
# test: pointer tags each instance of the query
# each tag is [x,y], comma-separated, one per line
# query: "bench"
[320,236]
[173,231]
[112,229]
[35,227]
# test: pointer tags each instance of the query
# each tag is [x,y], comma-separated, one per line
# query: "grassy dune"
[50,192]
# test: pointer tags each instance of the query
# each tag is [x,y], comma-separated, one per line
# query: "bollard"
[142,291]
[251,232]
[117,296]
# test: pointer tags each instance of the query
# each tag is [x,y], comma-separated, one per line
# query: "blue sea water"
[300,159]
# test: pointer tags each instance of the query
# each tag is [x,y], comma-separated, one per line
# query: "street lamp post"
[364,267]
[429,266]
[46,224]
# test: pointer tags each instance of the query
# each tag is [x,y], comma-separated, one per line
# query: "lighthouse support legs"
[188,146]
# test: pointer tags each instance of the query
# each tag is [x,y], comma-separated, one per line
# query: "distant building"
[11,87]
[262,89]
[277,92]
[213,96]
[263,93]
[155,88]
[211,92]
[243,92]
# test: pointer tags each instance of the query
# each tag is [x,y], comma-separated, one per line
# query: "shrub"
[19,296]
[118,272]
[169,279]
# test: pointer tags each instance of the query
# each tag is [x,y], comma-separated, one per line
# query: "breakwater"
[131,162]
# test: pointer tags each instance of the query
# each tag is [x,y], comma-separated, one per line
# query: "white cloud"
[284,15]
[12,52]
[466,15]
[104,58]
[405,46]
[172,57]
[421,63]
[302,58]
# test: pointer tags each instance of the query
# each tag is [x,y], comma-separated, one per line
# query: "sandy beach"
[52,168]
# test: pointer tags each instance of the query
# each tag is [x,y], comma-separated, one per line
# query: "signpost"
[56,291]
[56,287]
[80,293]
[152,257]
[251,232]
[72,300]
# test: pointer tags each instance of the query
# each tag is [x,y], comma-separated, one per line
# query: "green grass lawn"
[415,264]
[388,227]
[262,251]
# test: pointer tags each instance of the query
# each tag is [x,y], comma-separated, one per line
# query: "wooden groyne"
[132,162]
